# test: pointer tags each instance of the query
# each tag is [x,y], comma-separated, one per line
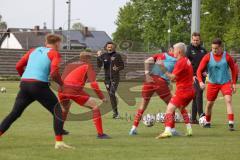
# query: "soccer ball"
[160,117]
[148,120]
[3,90]
[177,117]
[202,121]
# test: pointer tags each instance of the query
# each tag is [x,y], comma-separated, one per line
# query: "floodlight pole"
[53,16]
[195,24]
[69,24]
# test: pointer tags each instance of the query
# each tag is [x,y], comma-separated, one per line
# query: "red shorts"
[81,98]
[182,97]
[160,86]
[213,89]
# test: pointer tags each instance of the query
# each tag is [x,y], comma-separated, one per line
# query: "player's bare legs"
[208,113]
[169,121]
[97,120]
[228,101]
[186,119]
[138,116]
[65,109]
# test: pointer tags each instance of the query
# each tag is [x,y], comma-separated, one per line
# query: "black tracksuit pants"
[197,104]
[30,92]
[111,86]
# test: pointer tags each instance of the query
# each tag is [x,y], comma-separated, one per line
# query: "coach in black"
[112,63]
[195,53]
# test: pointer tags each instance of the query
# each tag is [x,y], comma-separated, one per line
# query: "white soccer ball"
[177,117]
[3,90]
[202,121]
[160,117]
[149,120]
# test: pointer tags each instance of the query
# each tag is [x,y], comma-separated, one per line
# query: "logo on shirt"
[113,58]
[193,52]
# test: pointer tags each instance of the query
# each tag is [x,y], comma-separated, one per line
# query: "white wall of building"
[11,42]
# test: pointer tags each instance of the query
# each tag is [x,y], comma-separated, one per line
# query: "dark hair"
[53,38]
[196,34]
[109,42]
[217,41]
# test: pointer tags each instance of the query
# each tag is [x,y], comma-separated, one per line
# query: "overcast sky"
[100,14]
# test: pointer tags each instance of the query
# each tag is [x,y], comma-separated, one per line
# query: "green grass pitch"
[31,136]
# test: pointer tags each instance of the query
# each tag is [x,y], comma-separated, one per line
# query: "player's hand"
[159,62]
[149,79]
[99,53]
[202,85]
[234,88]
[204,74]
[170,86]
[194,79]
[115,68]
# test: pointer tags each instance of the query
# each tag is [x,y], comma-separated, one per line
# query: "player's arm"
[177,71]
[147,63]
[120,63]
[55,58]
[233,70]
[91,75]
[232,67]
[202,68]
[236,69]
[171,76]
[21,64]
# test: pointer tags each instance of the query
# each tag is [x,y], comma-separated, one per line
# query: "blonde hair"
[85,56]
[181,46]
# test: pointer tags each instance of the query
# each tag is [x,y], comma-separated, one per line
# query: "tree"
[214,25]
[3,26]
[147,21]
[128,26]
[78,26]
[232,36]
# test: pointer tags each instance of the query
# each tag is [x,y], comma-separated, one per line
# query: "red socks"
[231,118]
[97,121]
[173,124]
[58,138]
[208,118]
[169,120]
[138,117]
[185,116]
